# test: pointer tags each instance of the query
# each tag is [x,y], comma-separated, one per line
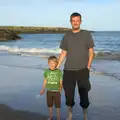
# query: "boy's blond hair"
[53,58]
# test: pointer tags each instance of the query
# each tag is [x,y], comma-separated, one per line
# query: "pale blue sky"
[97,14]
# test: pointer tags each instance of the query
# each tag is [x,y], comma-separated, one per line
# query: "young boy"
[53,84]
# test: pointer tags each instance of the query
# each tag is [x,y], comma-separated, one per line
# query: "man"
[77,47]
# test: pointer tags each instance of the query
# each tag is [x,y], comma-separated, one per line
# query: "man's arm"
[61,58]
[91,55]
[90,45]
[64,47]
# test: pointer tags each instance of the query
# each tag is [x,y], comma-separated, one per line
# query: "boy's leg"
[49,96]
[83,89]
[58,113]
[57,102]
[69,83]
[50,113]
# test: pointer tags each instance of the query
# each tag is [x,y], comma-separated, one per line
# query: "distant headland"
[11,32]
[33,29]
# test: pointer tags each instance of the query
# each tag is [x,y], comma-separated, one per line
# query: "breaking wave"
[44,52]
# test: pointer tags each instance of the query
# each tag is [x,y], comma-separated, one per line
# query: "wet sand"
[7,113]
[21,80]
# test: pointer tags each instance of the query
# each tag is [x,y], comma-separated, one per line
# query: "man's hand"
[57,67]
[88,67]
[60,90]
[91,55]
[42,91]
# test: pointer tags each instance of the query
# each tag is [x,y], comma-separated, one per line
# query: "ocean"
[107,49]
[107,43]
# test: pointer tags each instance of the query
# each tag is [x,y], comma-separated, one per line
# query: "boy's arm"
[43,87]
[44,84]
[61,85]
[61,81]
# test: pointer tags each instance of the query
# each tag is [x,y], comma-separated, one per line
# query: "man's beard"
[76,28]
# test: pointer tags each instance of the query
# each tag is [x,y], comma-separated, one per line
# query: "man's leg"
[69,83]
[84,101]
[83,89]
[69,113]
[85,114]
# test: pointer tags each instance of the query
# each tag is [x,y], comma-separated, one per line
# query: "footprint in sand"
[38,96]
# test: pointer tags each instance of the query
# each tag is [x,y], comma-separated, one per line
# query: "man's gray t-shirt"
[77,46]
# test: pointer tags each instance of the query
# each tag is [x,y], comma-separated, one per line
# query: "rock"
[8,35]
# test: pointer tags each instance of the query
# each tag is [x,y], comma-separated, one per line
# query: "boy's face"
[52,64]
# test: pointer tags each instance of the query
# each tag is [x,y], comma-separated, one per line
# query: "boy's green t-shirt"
[53,78]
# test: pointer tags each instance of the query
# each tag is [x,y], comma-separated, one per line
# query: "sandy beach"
[21,80]
[33,30]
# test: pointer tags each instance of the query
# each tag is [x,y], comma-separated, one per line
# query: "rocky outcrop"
[8,35]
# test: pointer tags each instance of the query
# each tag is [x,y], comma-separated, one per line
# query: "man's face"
[75,22]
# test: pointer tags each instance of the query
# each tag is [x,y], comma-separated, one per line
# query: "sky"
[100,15]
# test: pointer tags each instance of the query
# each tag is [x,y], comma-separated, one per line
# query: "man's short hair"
[54,58]
[75,14]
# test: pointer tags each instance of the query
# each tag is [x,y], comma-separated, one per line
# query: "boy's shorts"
[53,98]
